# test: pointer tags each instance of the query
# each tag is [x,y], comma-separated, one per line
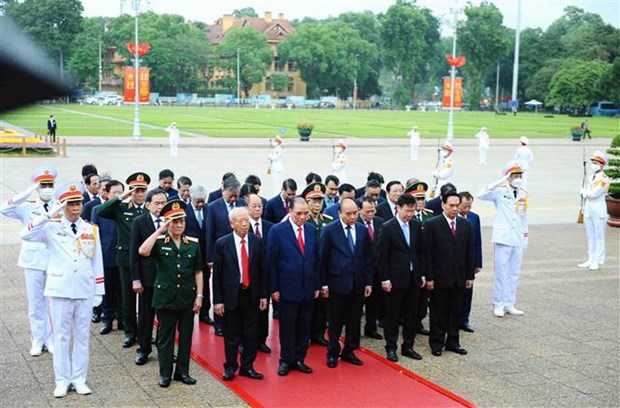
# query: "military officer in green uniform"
[123,209]
[314,194]
[177,294]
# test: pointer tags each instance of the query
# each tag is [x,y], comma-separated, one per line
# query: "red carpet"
[378,383]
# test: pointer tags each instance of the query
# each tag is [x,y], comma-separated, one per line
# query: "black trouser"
[206,291]
[168,322]
[263,325]
[466,308]
[446,304]
[375,308]
[400,302]
[294,330]
[112,305]
[344,310]
[240,329]
[128,297]
[146,317]
[319,319]
[423,302]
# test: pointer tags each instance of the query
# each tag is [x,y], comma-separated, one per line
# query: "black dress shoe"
[320,341]
[219,332]
[411,354]
[128,342]
[351,358]
[467,328]
[106,327]
[164,382]
[436,353]
[457,350]
[228,375]
[251,373]
[185,379]
[95,318]
[332,361]
[373,335]
[391,355]
[283,369]
[264,348]
[303,367]
[141,358]
[206,320]
[423,330]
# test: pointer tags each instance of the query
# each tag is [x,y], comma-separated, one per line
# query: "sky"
[534,13]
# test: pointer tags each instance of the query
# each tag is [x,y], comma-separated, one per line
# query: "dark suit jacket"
[359,192]
[266,228]
[474,220]
[384,210]
[172,194]
[193,229]
[450,260]
[396,257]
[217,224]
[142,268]
[227,276]
[435,205]
[377,222]
[108,236]
[86,197]
[294,275]
[214,195]
[332,211]
[87,210]
[343,271]
[274,210]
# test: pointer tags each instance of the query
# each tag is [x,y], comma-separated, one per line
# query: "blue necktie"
[406,232]
[350,239]
[199,217]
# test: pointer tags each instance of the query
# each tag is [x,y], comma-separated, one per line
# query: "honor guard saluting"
[33,255]
[483,146]
[276,165]
[595,212]
[443,173]
[74,283]
[123,209]
[339,163]
[510,235]
[177,295]
[414,139]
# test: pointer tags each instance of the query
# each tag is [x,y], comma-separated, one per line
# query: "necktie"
[300,240]
[371,232]
[74,228]
[350,239]
[245,265]
[257,231]
[230,207]
[286,208]
[453,228]
[158,222]
[515,193]
[46,207]
[199,217]
[406,232]
[419,216]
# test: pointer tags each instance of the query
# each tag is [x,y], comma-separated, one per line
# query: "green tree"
[84,62]
[610,83]
[577,86]
[245,12]
[255,55]
[538,84]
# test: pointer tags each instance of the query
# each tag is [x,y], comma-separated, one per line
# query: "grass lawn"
[76,120]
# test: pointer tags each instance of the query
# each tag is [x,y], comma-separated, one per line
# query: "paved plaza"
[564,352]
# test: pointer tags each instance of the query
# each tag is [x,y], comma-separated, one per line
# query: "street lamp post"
[136,116]
[238,80]
[355,85]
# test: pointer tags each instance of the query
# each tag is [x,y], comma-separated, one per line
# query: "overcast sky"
[534,13]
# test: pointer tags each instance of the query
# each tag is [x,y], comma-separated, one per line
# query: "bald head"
[348,211]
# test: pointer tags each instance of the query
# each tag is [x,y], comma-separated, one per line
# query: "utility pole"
[238,80]
[136,116]
[515,68]
[497,89]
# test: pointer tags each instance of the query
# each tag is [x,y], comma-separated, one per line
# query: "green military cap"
[173,209]
[314,190]
[138,180]
[417,189]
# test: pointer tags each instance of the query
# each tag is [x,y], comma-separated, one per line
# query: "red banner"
[143,49]
[130,85]
[458,92]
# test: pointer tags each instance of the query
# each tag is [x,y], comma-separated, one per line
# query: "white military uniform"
[445,171]
[525,157]
[595,215]
[173,139]
[75,276]
[339,166]
[33,257]
[510,237]
[483,146]
[277,167]
[414,138]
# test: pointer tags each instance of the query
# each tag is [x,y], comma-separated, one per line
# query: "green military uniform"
[424,215]
[123,213]
[320,221]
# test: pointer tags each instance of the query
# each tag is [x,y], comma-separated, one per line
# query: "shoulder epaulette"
[329,217]
[191,239]
[161,237]
[427,210]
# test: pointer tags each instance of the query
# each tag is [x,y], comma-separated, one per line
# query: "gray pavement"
[565,351]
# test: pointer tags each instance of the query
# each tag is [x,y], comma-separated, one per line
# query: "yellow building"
[276,30]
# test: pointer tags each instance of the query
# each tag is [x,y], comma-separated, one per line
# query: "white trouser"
[595,231]
[71,316]
[38,311]
[524,180]
[174,149]
[342,175]
[483,154]
[277,177]
[507,270]
[414,152]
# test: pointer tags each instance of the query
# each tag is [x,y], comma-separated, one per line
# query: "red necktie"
[300,240]
[245,265]
[257,232]
[371,233]
[286,209]
[453,228]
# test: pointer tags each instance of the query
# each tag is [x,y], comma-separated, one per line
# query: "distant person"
[51,127]
[173,139]
[586,129]
[483,146]
[414,138]
[443,174]
[276,166]
[525,157]
[339,164]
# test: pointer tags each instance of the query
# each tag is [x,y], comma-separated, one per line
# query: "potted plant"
[304,128]
[613,172]
[576,132]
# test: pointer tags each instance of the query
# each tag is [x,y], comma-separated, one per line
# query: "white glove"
[57,209]
[498,183]
[97,300]
[26,193]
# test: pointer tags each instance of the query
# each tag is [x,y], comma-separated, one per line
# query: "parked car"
[112,99]
[324,105]
[604,108]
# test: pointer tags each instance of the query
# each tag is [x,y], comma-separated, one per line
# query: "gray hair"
[198,192]
[237,210]
[231,184]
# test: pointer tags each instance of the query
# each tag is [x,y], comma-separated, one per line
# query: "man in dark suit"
[465,211]
[184,184]
[331,191]
[143,270]
[239,294]
[292,255]
[91,184]
[387,209]
[195,225]
[374,303]
[402,273]
[435,204]
[51,127]
[360,192]
[215,194]
[166,183]
[260,228]
[278,206]
[345,263]
[450,270]
[345,190]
